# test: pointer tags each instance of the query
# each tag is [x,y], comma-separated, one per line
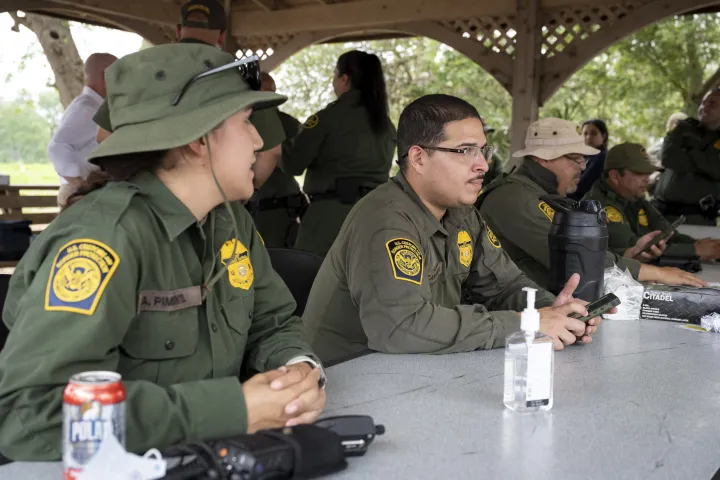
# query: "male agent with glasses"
[415,269]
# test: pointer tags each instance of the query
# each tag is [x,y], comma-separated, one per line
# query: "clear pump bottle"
[529,357]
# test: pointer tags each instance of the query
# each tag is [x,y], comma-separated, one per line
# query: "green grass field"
[30,174]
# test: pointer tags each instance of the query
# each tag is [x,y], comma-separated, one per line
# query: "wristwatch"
[314,364]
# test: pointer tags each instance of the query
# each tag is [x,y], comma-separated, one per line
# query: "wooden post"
[229,40]
[526,73]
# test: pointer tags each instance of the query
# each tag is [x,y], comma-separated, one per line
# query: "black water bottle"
[578,241]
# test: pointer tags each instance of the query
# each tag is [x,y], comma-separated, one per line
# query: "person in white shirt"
[74,137]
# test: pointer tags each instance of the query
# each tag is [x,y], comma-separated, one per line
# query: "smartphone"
[598,307]
[664,235]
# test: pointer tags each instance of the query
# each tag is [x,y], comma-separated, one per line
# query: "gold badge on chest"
[240,270]
[465,246]
[642,218]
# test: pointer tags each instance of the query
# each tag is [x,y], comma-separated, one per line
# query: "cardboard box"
[679,303]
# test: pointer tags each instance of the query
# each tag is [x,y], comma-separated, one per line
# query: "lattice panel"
[564,26]
[263,46]
[495,34]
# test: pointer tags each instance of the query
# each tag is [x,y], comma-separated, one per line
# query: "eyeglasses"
[577,159]
[471,154]
[249,68]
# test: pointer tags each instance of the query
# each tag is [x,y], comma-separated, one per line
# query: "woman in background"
[595,133]
[345,150]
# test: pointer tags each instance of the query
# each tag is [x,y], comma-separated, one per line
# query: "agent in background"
[622,192]
[690,184]
[595,133]
[280,202]
[345,150]
[553,159]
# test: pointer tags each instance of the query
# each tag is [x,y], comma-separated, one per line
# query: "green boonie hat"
[266,121]
[141,88]
[632,156]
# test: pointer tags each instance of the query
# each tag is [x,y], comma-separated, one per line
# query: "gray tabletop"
[642,401]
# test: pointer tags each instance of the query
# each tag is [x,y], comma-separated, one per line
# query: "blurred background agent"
[622,191]
[345,150]
[202,21]
[595,134]
[280,200]
[495,165]
[690,184]
[74,137]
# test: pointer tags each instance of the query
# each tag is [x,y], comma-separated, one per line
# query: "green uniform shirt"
[337,142]
[279,183]
[691,157]
[628,221]
[99,289]
[397,280]
[522,221]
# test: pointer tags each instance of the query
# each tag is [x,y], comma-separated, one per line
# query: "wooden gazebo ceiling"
[572,31]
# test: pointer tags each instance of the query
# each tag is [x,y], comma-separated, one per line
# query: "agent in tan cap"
[622,191]
[553,161]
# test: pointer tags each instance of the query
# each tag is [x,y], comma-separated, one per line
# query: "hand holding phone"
[664,235]
[598,307]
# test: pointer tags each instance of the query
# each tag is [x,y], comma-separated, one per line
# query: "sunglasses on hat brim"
[249,68]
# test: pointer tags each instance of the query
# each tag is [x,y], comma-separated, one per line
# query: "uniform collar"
[453,215]
[195,40]
[540,175]
[174,216]
[605,188]
[351,96]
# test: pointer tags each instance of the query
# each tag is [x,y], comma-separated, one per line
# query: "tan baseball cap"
[551,138]
[632,156]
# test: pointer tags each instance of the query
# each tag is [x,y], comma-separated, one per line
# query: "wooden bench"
[34,203]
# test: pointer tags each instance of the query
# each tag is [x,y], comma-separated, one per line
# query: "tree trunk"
[59,47]
[694,71]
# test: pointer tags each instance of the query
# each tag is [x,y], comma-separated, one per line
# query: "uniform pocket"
[239,313]
[162,335]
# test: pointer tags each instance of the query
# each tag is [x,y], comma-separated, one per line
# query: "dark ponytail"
[118,168]
[366,76]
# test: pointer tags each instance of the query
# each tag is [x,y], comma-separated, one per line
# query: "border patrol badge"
[240,270]
[614,215]
[492,238]
[465,246]
[642,218]
[80,272]
[406,260]
[311,122]
[547,210]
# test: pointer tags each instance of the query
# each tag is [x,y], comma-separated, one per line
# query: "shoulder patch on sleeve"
[642,217]
[717,145]
[79,275]
[547,210]
[406,260]
[492,238]
[311,122]
[614,215]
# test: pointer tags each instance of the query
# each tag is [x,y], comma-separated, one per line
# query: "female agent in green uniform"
[347,149]
[159,274]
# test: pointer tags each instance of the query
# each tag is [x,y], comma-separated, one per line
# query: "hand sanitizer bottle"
[529,363]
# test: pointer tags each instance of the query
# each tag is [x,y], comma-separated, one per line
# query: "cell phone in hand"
[598,307]
[664,235]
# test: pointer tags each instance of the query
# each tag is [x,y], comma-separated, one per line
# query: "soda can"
[93,408]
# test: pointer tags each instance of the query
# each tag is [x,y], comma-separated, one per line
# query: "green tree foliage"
[635,85]
[26,127]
